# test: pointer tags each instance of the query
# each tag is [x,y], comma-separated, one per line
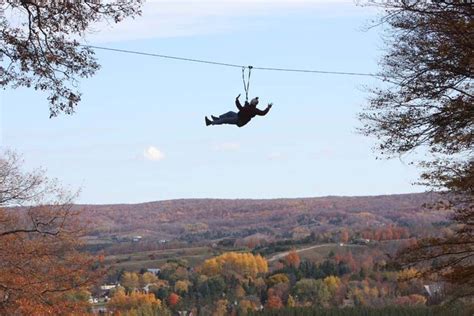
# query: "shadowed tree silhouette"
[39,45]
[429,107]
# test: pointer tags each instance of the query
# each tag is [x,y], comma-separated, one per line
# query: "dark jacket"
[247,112]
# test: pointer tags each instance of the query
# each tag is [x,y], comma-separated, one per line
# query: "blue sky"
[139,134]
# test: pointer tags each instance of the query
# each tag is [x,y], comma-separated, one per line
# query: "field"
[194,256]
[153,259]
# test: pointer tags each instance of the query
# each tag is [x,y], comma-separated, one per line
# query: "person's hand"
[270,105]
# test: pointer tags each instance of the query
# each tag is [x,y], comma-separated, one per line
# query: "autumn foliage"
[427,108]
[292,259]
[274,302]
[244,264]
[173,299]
[42,271]
[133,302]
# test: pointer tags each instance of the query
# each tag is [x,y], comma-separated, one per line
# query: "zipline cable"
[163,56]
[235,65]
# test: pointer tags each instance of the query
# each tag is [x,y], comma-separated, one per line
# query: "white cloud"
[171,18]
[227,146]
[175,18]
[276,156]
[153,153]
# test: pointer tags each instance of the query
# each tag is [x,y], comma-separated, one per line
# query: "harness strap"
[246,84]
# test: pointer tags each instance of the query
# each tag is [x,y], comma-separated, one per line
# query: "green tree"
[313,291]
[216,285]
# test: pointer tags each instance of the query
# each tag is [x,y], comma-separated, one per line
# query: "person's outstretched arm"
[237,103]
[264,112]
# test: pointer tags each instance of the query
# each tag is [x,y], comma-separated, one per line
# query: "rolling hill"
[213,219]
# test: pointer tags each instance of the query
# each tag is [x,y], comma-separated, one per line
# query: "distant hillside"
[209,219]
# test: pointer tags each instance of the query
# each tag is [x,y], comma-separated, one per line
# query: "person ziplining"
[249,110]
[246,112]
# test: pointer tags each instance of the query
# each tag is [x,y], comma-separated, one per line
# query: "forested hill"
[208,219]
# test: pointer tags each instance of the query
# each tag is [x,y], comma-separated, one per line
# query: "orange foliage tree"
[134,302]
[344,236]
[41,271]
[182,286]
[292,259]
[274,301]
[173,299]
[245,264]
[411,300]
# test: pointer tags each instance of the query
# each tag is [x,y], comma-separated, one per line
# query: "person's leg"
[228,114]
[225,115]
[227,118]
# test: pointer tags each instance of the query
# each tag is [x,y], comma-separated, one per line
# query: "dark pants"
[227,118]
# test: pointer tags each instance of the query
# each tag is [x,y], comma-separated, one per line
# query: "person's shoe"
[214,117]
[208,121]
